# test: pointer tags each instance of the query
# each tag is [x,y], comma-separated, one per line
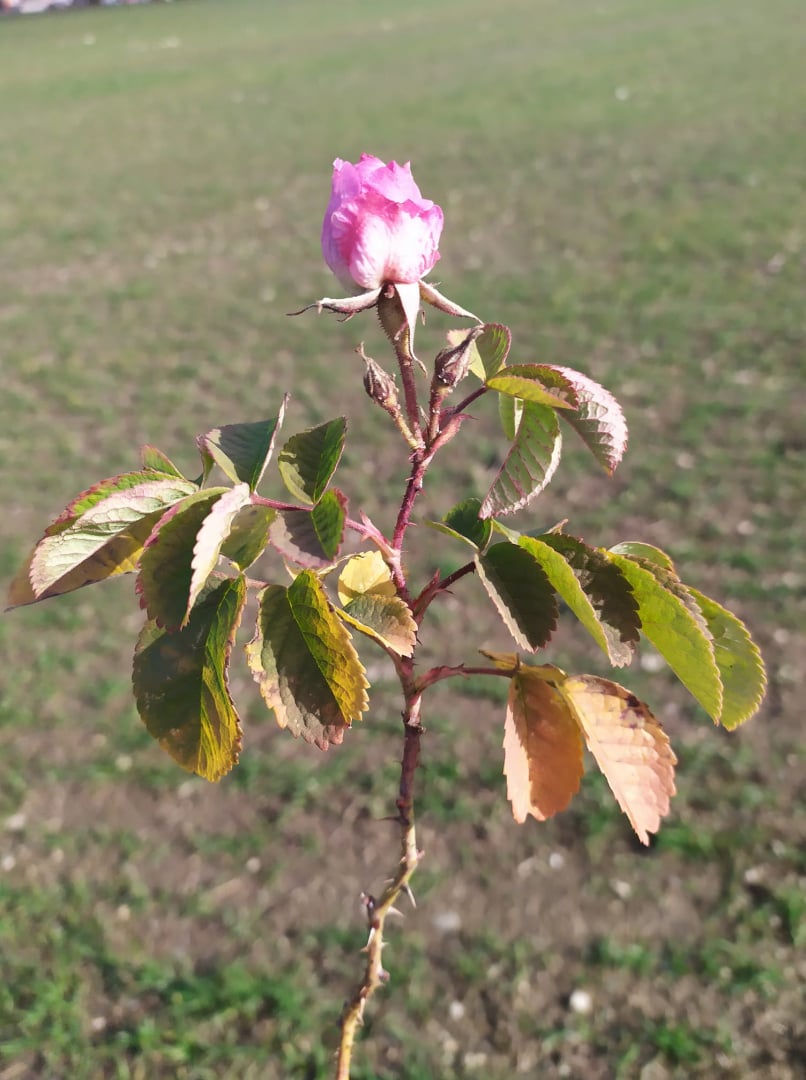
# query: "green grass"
[622,185]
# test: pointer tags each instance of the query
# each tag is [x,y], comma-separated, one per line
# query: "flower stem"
[378,909]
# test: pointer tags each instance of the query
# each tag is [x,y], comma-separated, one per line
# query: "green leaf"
[242,451]
[462,522]
[181,687]
[598,419]
[305,663]
[671,620]
[249,535]
[510,411]
[311,538]
[210,538]
[540,383]
[522,593]
[741,668]
[308,460]
[530,463]
[166,565]
[489,351]
[100,535]
[154,460]
[385,619]
[635,549]
[594,590]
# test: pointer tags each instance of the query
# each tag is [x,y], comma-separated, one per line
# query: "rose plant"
[194,545]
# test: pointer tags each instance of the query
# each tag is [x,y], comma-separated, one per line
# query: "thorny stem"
[378,909]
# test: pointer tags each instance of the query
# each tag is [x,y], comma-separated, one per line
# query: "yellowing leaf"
[365,573]
[385,619]
[542,748]
[629,746]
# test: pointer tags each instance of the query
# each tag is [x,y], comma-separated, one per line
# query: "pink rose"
[377,225]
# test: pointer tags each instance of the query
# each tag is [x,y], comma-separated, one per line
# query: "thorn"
[394,911]
[406,888]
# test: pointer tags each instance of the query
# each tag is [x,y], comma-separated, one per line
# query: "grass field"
[623,185]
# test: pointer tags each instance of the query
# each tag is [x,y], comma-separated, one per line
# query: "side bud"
[451,365]
[380,386]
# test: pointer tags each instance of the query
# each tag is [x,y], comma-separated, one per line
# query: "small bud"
[379,385]
[451,365]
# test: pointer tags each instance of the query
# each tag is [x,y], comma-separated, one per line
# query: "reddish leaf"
[629,746]
[542,748]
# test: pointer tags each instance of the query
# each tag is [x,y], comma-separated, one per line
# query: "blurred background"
[622,183]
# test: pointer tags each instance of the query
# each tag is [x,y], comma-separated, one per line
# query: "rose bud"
[377,227]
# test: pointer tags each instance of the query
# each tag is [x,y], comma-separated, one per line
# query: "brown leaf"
[542,748]
[629,745]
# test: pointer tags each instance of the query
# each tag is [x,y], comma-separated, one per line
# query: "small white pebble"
[16,823]
[652,662]
[89,39]
[98,1023]
[8,862]
[622,889]
[685,460]
[556,860]
[456,1010]
[474,1060]
[123,913]
[123,762]
[754,875]
[253,865]
[447,921]
[622,93]
[745,528]
[57,856]
[186,789]
[581,1002]
[780,636]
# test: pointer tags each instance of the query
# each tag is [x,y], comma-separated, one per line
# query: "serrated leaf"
[308,460]
[305,664]
[635,549]
[530,463]
[488,353]
[156,461]
[593,588]
[540,383]
[385,619]
[510,411]
[521,592]
[181,686]
[462,522]
[166,565]
[678,631]
[598,420]
[249,535]
[542,748]
[741,668]
[629,746]
[214,530]
[311,538]
[365,574]
[100,536]
[242,451]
